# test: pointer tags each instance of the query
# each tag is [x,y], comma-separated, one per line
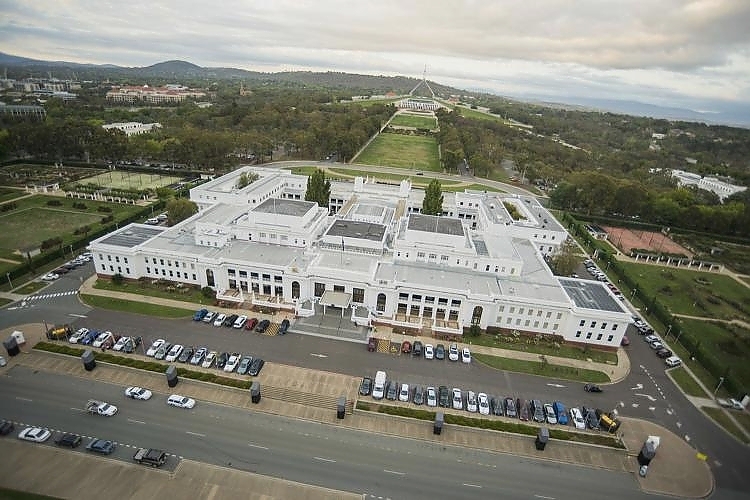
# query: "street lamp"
[7,275]
[721,381]
[669,329]
[632,294]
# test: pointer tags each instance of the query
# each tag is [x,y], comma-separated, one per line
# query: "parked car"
[210,359]
[403,393]
[465,355]
[120,343]
[549,414]
[429,351]
[416,349]
[102,339]
[180,401]
[365,387]
[440,352]
[589,415]
[453,352]
[391,391]
[162,352]
[244,365]
[174,353]
[221,360]
[6,427]
[220,319]
[405,347]
[444,396]
[209,317]
[484,403]
[649,339]
[200,314]
[186,354]
[34,434]
[284,327]
[418,398]
[537,411]
[496,406]
[673,361]
[577,417]
[199,356]
[69,440]
[229,320]
[510,408]
[105,447]
[457,399]
[560,413]
[431,397]
[663,353]
[251,323]
[239,323]
[255,367]
[372,344]
[132,344]
[138,393]
[155,346]
[263,326]
[657,345]
[232,362]
[471,401]
[592,388]
[50,277]
[524,412]
[78,335]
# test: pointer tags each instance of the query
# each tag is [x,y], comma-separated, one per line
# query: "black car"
[416,349]
[222,359]
[69,440]
[245,363]
[524,413]
[496,406]
[592,388]
[101,446]
[440,351]
[537,410]
[589,415]
[186,354]
[6,427]
[663,353]
[284,326]
[263,326]
[255,367]
[418,398]
[392,391]
[444,397]
[229,320]
[365,388]
[510,408]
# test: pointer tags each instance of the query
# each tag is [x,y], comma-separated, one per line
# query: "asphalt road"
[307,452]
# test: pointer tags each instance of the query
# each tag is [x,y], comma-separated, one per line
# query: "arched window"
[210,278]
[295,289]
[381,302]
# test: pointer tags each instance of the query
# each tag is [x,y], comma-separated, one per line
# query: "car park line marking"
[78,315]
[544,497]
[325,459]
[195,434]
[136,421]
[318,355]
[398,473]
[472,485]
[257,446]
[24,399]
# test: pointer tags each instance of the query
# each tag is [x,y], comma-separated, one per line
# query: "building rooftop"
[435,224]
[283,206]
[356,229]
[132,235]
[590,295]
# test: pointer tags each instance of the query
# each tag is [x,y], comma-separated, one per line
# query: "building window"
[193,277]
[582,323]
[539,313]
[531,312]
[555,326]
[254,276]
[444,258]
[604,325]
[508,320]
[527,322]
[420,255]
[588,335]
[161,262]
[521,310]
[117,259]
[358,295]
[545,325]
[518,322]
[501,308]
[278,279]
[320,288]
[429,300]
[549,314]
[231,272]
[416,298]
[455,303]
[414,311]
[127,270]
[442,301]
[266,277]
[593,324]
[559,315]
[578,334]
[512,310]
[599,337]
[536,324]
[178,274]
[119,269]
[243,274]
[610,337]
[170,273]
[614,327]
[403,296]
[109,258]
[148,270]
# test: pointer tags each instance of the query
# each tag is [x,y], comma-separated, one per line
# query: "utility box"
[341,408]
[172,375]
[11,346]
[542,437]
[255,392]
[647,453]
[437,427]
[89,363]
[18,335]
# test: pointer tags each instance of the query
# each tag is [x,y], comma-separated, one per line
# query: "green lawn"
[30,287]
[160,289]
[721,418]
[692,292]
[537,368]
[136,307]
[416,121]
[8,494]
[563,351]
[404,151]
[473,113]
[743,418]
[7,193]
[687,383]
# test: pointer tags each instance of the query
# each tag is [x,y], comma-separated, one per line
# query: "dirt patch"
[627,239]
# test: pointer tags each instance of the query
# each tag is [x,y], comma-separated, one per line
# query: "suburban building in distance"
[132,128]
[372,257]
[721,188]
[153,95]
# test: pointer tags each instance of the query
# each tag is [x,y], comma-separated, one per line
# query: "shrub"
[118,279]
[102,208]
[79,205]
[54,203]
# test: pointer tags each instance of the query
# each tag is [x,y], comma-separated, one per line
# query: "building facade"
[373,257]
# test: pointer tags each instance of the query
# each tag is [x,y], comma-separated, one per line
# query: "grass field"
[721,418]
[687,383]
[404,151]
[693,293]
[416,121]
[130,306]
[122,179]
[8,194]
[563,351]
[537,368]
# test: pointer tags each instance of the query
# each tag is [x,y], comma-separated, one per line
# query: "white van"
[673,361]
[153,221]
[378,388]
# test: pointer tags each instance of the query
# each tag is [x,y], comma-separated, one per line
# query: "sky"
[693,54]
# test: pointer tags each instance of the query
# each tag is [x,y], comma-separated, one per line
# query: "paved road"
[302,451]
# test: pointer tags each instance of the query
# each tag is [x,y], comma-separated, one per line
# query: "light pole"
[7,275]
[669,329]
[721,381]
[71,251]
[632,294]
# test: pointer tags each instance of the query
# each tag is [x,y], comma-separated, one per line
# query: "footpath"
[675,470]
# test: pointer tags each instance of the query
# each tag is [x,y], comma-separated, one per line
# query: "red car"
[372,344]
[251,323]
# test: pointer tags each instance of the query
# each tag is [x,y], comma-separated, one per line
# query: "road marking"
[635,405]
[637,387]
[679,424]
[544,497]
[472,485]
[687,438]
[24,399]
[318,355]
[257,446]
[324,459]
[78,409]
[652,408]
[78,315]
[136,421]
[195,434]
[398,473]
[647,396]
[556,385]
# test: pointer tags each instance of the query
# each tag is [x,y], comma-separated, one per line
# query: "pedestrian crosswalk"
[51,295]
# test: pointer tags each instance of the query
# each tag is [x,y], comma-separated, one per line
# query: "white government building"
[372,257]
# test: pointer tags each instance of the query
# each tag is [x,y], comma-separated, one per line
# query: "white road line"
[251,445]
[195,434]
[394,472]
[544,497]
[78,315]
[472,485]
[24,399]
[77,409]
[324,459]
[136,421]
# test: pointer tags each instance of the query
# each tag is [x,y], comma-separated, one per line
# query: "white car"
[174,353]
[240,321]
[180,401]
[471,402]
[120,344]
[466,355]
[155,347]
[34,434]
[458,402]
[656,345]
[484,403]
[403,394]
[50,277]
[232,362]
[138,393]
[220,319]
[209,317]
[577,417]
[549,414]
[673,361]
[429,351]
[102,339]
[210,359]
[78,335]
[431,397]
[453,352]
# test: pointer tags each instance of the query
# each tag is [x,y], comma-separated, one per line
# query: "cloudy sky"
[686,53]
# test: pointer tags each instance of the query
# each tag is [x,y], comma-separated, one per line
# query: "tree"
[180,209]
[318,188]
[433,199]
[566,259]
[246,179]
